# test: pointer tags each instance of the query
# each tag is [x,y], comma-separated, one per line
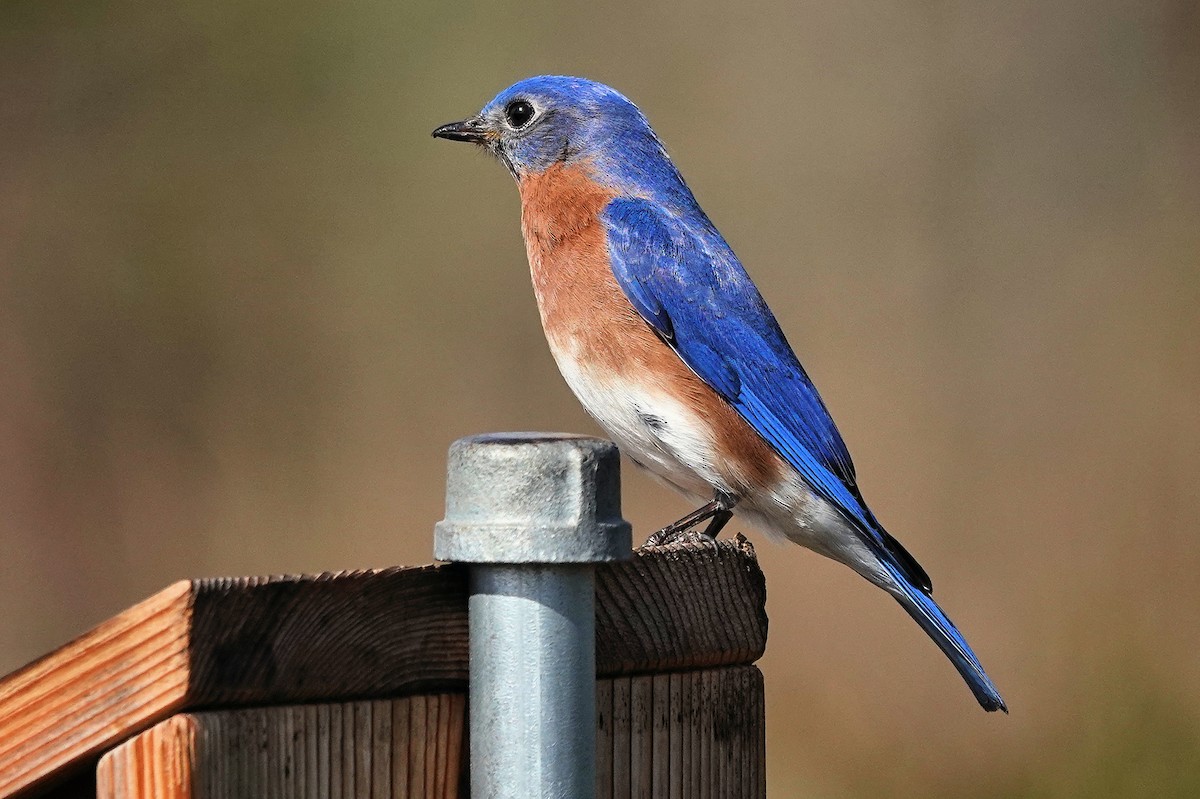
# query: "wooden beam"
[344,636]
[91,693]
[696,734]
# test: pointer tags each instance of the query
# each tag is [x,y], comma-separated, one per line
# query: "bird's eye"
[518,113]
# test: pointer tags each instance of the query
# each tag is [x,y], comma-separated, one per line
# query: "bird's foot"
[717,513]
[687,537]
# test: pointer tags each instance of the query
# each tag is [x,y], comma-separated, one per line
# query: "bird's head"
[548,120]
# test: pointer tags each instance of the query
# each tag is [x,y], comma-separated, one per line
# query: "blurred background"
[246,303]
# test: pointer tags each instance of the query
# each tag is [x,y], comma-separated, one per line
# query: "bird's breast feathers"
[635,386]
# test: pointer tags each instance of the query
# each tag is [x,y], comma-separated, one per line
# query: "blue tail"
[938,626]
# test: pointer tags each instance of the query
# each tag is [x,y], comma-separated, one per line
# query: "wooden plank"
[418,746]
[604,739]
[622,706]
[758,755]
[733,754]
[89,694]
[331,636]
[702,724]
[381,767]
[269,752]
[157,763]
[691,734]
[346,636]
[456,752]
[681,607]
[402,742]
[641,736]
[707,734]
[661,749]
[694,787]
[676,718]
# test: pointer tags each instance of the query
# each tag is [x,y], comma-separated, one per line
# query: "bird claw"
[667,537]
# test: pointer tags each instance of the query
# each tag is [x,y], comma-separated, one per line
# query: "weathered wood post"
[532,515]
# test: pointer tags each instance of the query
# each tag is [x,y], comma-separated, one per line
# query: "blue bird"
[667,343]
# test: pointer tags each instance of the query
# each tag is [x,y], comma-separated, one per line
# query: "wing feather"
[690,288]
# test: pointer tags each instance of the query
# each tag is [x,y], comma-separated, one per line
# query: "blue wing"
[690,288]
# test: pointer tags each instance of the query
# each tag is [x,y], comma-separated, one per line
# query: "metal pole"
[532,513]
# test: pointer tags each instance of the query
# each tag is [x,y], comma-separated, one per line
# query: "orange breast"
[585,313]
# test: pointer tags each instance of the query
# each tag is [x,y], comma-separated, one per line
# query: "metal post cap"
[533,498]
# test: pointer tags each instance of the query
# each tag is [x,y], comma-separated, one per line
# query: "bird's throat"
[560,204]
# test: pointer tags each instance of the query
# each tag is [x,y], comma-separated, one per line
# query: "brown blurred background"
[246,303]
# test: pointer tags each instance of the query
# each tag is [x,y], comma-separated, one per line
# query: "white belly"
[673,442]
[652,427]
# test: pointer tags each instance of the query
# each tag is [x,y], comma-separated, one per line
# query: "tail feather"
[938,626]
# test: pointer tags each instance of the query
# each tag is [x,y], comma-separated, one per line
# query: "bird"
[664,339]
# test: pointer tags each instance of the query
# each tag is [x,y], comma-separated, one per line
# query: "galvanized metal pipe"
[532,513]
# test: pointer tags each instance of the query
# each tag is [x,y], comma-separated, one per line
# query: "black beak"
[472,130]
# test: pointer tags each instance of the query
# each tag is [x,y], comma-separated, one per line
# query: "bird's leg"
[703,513]
[717,513]
[718,522]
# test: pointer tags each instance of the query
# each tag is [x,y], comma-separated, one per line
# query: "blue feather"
[692,290]
[937,625]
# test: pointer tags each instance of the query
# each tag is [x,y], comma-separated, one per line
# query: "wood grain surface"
[692,734]
[345,636]
[91,693]
[679,607]
[382,749]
